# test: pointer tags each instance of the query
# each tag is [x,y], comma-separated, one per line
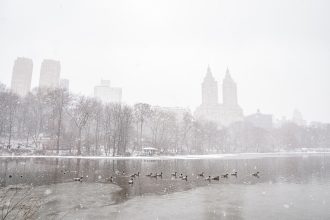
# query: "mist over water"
[295,186]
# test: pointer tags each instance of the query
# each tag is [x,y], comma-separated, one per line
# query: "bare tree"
[80,112]
[185,129]
[58,99]
[142,112]
[18,202]
[11,102]
[98,117]
[162,125]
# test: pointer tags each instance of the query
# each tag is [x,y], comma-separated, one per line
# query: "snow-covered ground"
[180,157]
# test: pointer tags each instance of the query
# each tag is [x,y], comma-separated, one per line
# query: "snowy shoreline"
[180,157]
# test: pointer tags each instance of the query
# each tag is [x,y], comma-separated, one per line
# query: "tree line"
[54,121]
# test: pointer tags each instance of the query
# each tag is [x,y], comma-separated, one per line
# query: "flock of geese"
[156,175]
[181,176]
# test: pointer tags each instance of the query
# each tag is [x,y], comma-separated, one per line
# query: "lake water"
[293,186]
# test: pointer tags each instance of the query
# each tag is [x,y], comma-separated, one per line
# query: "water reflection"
[42,171]
[238,197]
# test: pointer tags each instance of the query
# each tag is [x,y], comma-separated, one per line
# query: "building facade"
[22,76]
[178,112]
[50,74]
[65,84]
[225,113]
[260,120]
[297,118]
[106,93]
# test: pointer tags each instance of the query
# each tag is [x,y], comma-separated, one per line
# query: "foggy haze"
[158,51]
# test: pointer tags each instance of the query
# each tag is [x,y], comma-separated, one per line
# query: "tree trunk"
[79,142]
[59,132]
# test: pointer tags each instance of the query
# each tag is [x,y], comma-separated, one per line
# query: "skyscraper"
[223,114]
[50,74]
[22,75]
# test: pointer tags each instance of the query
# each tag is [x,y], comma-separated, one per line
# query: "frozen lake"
[290,186]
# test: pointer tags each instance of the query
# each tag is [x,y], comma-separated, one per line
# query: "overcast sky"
[278,51]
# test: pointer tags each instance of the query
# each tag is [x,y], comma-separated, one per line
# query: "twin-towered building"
[50,72]
[224,113]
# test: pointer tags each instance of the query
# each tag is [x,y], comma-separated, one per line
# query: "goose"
[174,174]
[216,178]
[224,175]
[10,176]
[154,176]
[78,178]
[160,174]
[130,181]
[133,175]
[208,178]
[138,173]
[234,174]
[109,179]
[185,178]
[201,174]
[256,174]
[181,176]
[149,175]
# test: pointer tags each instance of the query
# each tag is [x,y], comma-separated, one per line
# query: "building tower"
[50,74]
[21,76]
[209,89]
[229,90]
[225,113]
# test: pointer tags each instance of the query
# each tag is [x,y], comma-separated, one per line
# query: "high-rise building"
[50,74]
[107,94]
[209,89]
[22,76]
[223,114]
[64,84]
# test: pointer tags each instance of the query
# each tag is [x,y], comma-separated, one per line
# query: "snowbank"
[179,157]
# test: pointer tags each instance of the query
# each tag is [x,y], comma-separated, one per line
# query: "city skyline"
[214,96]
[158,55]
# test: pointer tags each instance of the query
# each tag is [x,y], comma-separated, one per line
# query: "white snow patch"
[286,206]
[48,191]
